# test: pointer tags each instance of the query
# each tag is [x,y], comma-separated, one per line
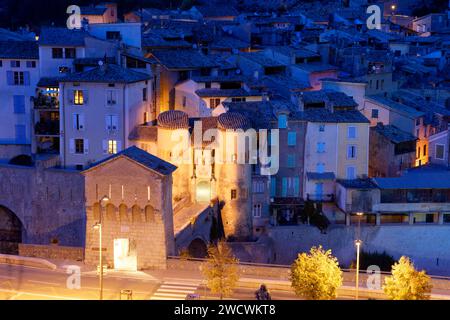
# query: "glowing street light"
[358,247]
[358,243]
[98,226]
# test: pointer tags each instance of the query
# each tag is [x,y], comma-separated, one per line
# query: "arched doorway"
[204,191]
[198,249]
[10,231]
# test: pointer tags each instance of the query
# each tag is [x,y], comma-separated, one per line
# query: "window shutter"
[74,121]
[72,146]
[284,187]
[81,121]
[19,104]
[26,78]
[105,146]
[71,96]
[115,122]
[85,97]
[10,77]
[108,122]
[273,187]
[86,146]
[119,146]
[296,186]
[349,152]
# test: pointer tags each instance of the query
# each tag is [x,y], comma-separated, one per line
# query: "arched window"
[96,211]
[110,212]
[123,213]
[149,213]
[136,213]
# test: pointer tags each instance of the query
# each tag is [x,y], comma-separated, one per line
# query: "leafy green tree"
[221,270]
[406,283]
[316,276]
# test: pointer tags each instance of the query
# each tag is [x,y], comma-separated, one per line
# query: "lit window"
[112,146]
[78,97]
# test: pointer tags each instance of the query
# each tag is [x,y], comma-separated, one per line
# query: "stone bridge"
[192,228]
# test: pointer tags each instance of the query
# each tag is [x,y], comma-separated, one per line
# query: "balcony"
[45,102]
[320,197]
[47,128]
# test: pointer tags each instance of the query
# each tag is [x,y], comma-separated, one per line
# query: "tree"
[316,276]
[221,270]
[406,283]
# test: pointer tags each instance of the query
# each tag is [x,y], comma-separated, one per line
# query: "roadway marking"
[38,294]
[171,290]
[44,282]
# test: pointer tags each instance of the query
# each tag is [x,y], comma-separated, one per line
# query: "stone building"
[391,151]
[137,217]
[201,177]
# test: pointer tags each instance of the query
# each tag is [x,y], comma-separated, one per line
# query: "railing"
[45,102]
[47,128]
[320,197]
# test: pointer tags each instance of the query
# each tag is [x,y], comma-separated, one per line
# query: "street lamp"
[358,243]
[358,246]
[98,226]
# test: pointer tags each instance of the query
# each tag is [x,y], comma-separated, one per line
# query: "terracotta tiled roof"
[173,119]
[233,121]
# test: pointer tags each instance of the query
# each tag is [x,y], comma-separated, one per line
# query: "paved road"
[26,283]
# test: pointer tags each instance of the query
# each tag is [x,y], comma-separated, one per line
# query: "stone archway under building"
[10,231]
[198,248]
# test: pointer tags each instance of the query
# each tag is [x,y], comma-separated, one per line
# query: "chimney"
[297,99]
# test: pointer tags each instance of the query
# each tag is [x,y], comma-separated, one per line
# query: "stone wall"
[426,245]
[139,211]
[51,252]
[48,202]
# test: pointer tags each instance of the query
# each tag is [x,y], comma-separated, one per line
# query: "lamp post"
[358,243]
[358,246]
[98,226]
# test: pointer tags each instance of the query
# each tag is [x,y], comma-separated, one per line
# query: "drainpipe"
[62,122]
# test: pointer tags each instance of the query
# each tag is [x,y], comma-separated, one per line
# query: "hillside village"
[358,118]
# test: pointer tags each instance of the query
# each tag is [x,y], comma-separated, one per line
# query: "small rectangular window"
[439,152]
[57,53]
[292,138]
[282,121]
[374,113]
[257,210]
[351,152]
[291,161]
[320,147]
[233,194]
[144,94]
[322,128]
[15,64]
[31,64]
[351,134]
[112,146]
[79,146]
[71,53]
[78,97]
[184,101]
[351,173]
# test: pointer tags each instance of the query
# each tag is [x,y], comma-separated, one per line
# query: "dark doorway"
[198,249]
[10,231]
